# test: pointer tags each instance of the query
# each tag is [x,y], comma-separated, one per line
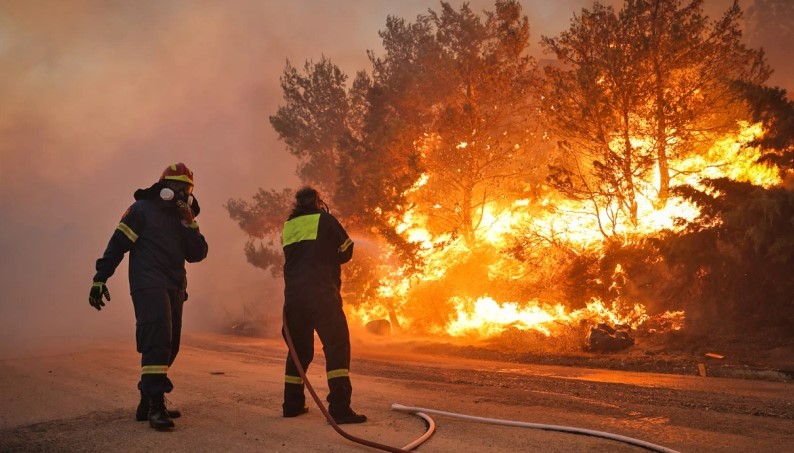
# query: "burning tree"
[639,91]
[447,140]
[436,161]
[737,254]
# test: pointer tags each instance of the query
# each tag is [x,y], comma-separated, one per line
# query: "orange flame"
[563,220]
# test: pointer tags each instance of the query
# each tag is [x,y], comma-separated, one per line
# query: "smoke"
[99,96]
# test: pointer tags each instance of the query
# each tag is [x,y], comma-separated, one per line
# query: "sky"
[99,96]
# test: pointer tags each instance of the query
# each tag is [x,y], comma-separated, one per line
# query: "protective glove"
[98,289]
[186,213]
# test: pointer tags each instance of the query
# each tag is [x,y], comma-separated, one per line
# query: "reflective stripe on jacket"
[151,230]
[315,246]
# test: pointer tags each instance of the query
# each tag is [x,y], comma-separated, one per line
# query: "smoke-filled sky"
[98,96]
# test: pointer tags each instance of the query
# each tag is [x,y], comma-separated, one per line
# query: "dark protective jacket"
[159,245]
[315,246]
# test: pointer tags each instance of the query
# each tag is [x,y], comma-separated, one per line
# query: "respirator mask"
[183,193]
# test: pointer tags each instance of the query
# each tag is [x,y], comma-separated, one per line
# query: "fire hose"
[564,429]
[431,426]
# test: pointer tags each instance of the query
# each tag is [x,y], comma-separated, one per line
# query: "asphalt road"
[79,396]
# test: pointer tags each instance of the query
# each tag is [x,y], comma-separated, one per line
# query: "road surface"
[78,395]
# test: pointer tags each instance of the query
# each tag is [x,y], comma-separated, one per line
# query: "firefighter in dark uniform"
[315,247]
[161,234]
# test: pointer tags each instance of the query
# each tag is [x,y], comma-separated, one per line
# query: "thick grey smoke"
[99,96]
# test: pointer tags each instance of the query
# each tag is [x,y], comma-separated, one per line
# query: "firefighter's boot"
[294,400]
[158,414]
[348,416]
[142,413]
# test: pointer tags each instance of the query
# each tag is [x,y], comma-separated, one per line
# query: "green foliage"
[742,252]
[775,111]
[313,119]
[262,220]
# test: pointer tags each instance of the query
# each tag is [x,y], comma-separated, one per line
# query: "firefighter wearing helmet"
[161,233]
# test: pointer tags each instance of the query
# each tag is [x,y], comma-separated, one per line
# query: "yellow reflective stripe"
[182,178]
[293,379]
[131,235]
[303,228]
[345,246]
[341,372]
[155,369]
[194,224]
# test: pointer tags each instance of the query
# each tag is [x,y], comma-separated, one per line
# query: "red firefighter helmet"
[178,172]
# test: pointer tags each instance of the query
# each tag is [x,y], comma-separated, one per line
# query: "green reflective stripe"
[127,232]
[303,228]
[99,284]
[194,224]
[293,379]
[155,369]
[345,246]
[341,372]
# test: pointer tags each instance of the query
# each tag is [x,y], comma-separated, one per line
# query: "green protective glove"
[98,289]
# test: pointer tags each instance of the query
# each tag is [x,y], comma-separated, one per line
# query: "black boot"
[294,400]
[158,414]
[294,411]
[142,413]
[348,416]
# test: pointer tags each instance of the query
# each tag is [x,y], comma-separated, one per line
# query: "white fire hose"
[431,426]
[565,429]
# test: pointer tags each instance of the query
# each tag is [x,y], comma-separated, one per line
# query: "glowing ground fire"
[458,310]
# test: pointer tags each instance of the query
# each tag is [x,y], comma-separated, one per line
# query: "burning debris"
[380,327]
[605,338]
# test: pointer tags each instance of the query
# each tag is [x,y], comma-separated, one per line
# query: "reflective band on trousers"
[293,379]
[131,235]
[341,372]
[155,369]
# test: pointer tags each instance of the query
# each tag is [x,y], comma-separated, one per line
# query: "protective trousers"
[330,323]
[158,315]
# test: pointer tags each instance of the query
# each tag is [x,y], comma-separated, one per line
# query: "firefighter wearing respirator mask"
[161,233]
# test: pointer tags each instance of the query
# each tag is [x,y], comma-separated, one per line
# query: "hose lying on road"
[565,429]
[431,426]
